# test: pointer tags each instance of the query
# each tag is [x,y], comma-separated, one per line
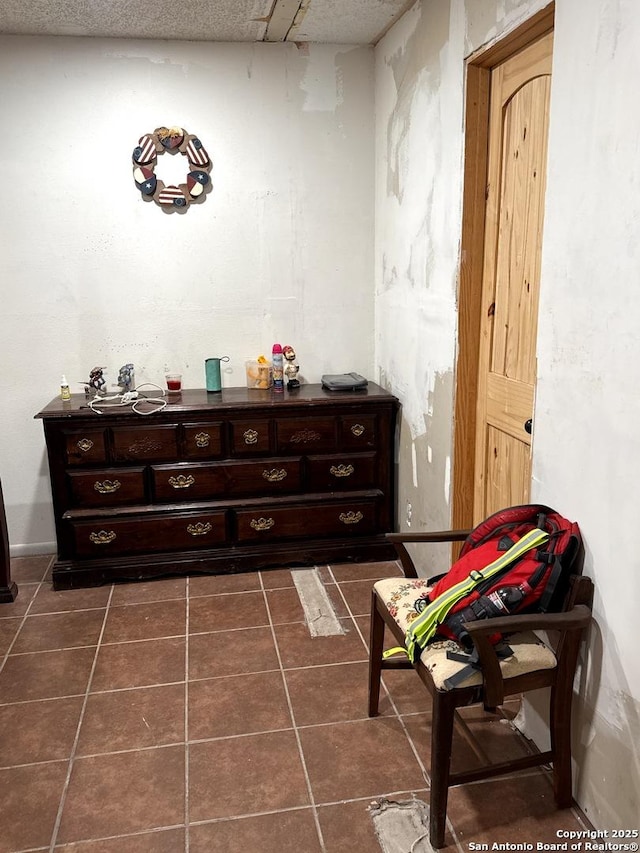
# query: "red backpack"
[517,560]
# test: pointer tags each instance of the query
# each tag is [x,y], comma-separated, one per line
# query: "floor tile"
[8,631]
[329,694]
[244,775]
[276,578]
[359,759]
[217,584]
[145,621]
[231,652]
[44,730]
[49,600]
[29,569]
[45,675]
[408,693]
[225,612]
[508,809]
[26,593]
[141,593]
[59,631]
[140,663]
[30,796]
[366,571]
[358,596]
[133,719]
[298,648]
[464,755]
[283,832]
[348,828]
[285,605]
[124,793]
[239,704]
[160,841]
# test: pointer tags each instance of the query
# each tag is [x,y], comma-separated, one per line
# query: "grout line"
[312,801]
[65,788]
[21,625]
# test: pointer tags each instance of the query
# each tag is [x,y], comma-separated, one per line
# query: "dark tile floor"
[199,715]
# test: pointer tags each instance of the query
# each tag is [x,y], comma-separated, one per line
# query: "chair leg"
[376,643]
[560,725]
[441,744]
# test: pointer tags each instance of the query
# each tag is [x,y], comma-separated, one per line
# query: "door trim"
[478,75]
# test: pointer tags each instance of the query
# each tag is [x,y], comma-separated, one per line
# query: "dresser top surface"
[198,400]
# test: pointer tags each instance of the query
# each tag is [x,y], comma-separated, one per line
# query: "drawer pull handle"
[341,470]
[102,538]
[107,487]
[181,482]
[262,523]
[85,445]
[199,529]
[350,517]
[357,430]
[202,439]
[250,436]
[275,475]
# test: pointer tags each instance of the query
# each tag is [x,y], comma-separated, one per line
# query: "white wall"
[282,248]
[587,437]
[586,452]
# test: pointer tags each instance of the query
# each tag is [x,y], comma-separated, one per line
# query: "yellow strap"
[394,651]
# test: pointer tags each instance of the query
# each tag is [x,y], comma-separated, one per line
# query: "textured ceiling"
[329,21]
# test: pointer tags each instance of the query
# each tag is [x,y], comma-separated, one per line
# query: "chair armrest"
[399,539]
[480,631]
[427,536]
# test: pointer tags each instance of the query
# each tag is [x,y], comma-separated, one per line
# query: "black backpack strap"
[550,588]
[473,663]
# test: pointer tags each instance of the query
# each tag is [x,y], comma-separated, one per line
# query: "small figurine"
[96,382]
[125,377]
[291,367]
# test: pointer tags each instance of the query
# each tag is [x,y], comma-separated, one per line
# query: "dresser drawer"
[202,441]
[108,487]
[353,518]
[341,471]
[225,479]
[358,432]
[85,447]
[187,482]
[131,444]
[304,435]
[174,532]
[250,437]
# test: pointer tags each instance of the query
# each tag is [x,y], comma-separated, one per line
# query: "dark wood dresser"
[220,483]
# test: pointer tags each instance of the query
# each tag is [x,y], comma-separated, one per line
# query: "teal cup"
[213,374]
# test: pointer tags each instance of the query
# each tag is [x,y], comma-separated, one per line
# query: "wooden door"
[517,155]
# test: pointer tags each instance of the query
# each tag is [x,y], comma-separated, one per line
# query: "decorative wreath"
[171,139]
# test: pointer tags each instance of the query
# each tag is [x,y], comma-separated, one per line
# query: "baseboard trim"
[33,549]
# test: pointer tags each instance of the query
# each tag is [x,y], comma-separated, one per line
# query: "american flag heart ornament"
[145,150]
[145,180]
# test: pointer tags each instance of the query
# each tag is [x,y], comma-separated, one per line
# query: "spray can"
[65,393]
[277,362]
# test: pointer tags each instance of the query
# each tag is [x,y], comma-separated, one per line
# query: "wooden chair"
[534,664]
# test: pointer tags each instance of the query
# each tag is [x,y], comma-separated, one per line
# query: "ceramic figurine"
[291,368]
[96,382]
[125,377]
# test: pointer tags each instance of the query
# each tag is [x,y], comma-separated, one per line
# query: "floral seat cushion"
[529,653]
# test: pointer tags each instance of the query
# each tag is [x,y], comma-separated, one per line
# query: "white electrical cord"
[133,399]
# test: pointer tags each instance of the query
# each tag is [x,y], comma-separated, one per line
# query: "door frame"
[476,132]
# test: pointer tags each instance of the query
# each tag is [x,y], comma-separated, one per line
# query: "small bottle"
[65,393]
[278,367]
